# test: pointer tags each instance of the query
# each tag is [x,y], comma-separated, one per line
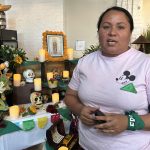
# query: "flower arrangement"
[15,56]
[52,80]
[52,83]
[4,87]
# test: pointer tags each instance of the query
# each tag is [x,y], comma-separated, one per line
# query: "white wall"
[31,18]
[135,8]
[146,13]
[81,18]
[77,18]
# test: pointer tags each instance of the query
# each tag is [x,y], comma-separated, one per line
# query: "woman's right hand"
[86,115]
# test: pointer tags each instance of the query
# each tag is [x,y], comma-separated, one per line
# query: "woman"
[115,80]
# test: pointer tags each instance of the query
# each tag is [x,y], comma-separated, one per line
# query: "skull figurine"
[36,99]
[29,75]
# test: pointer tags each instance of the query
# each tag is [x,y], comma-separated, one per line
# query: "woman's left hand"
[115,123]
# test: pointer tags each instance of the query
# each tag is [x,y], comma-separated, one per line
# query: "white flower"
[6,64]
[7,51]
[2,87]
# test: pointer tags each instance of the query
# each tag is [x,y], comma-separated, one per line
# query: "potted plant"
[92,48]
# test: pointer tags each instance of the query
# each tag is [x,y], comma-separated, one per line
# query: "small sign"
[80,45]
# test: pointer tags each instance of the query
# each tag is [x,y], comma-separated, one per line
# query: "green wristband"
[134,121]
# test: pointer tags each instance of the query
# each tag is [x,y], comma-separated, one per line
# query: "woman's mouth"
[111,42]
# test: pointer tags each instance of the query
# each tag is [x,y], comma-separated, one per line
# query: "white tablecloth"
[23,139]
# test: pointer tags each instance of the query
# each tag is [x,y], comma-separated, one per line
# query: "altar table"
[21,139]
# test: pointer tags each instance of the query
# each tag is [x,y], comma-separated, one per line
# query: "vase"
[52,84]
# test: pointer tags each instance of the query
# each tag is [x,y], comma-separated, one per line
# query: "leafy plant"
[92,48]
[147,36]
[4,86]
[4,83]
[14,56]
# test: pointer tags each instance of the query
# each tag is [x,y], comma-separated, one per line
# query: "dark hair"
[130,19]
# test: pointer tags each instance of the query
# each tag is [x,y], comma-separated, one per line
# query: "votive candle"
[41,55]
[37,84]
[65,74]
[49,75]
[70,53]
[16,79]
[14,112]
[55,98]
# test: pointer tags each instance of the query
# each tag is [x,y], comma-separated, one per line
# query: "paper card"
[80,45]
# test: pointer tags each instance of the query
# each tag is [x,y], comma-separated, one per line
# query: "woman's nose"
[112,31]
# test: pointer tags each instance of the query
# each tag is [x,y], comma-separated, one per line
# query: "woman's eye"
[121,27]
[106,27]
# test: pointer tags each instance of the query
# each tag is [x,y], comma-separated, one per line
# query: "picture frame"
[55,45]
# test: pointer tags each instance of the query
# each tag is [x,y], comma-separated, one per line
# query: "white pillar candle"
[41,55]
[37,84]
[63,148]
[70,53]
[65,74]
[16,79]
[14,112]
[55,98]
[49,75]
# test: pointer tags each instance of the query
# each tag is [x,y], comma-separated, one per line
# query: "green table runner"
[10,127]
[48,147]
[65,112]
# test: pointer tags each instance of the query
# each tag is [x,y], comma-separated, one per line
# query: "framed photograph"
[55,44]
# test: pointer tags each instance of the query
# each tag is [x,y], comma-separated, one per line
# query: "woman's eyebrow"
[120,23]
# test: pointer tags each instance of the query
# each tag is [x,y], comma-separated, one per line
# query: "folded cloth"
[28,125]
[65,112]
[9,127]
[42,122]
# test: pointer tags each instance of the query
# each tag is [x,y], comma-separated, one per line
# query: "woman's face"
[114,33]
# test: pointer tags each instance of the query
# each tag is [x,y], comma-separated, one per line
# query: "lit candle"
[16,79]
[55,98]
[14,112]
[65,74]
[37,84]
[63,148]
[41,55]
[49,75]
[70,53]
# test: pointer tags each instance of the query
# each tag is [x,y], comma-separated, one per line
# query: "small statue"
[29,75]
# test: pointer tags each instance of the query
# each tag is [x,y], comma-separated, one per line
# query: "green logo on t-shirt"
[129,88]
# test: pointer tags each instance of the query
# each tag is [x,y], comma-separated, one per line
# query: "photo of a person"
[55,45]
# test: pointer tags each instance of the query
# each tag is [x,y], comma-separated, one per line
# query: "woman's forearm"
[73,102]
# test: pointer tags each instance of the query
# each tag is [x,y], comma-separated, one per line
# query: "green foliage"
[14,56]
[147,36]
[92,48]
[4,81]
[4,86]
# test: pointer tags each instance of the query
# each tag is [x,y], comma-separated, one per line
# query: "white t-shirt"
[115,85]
